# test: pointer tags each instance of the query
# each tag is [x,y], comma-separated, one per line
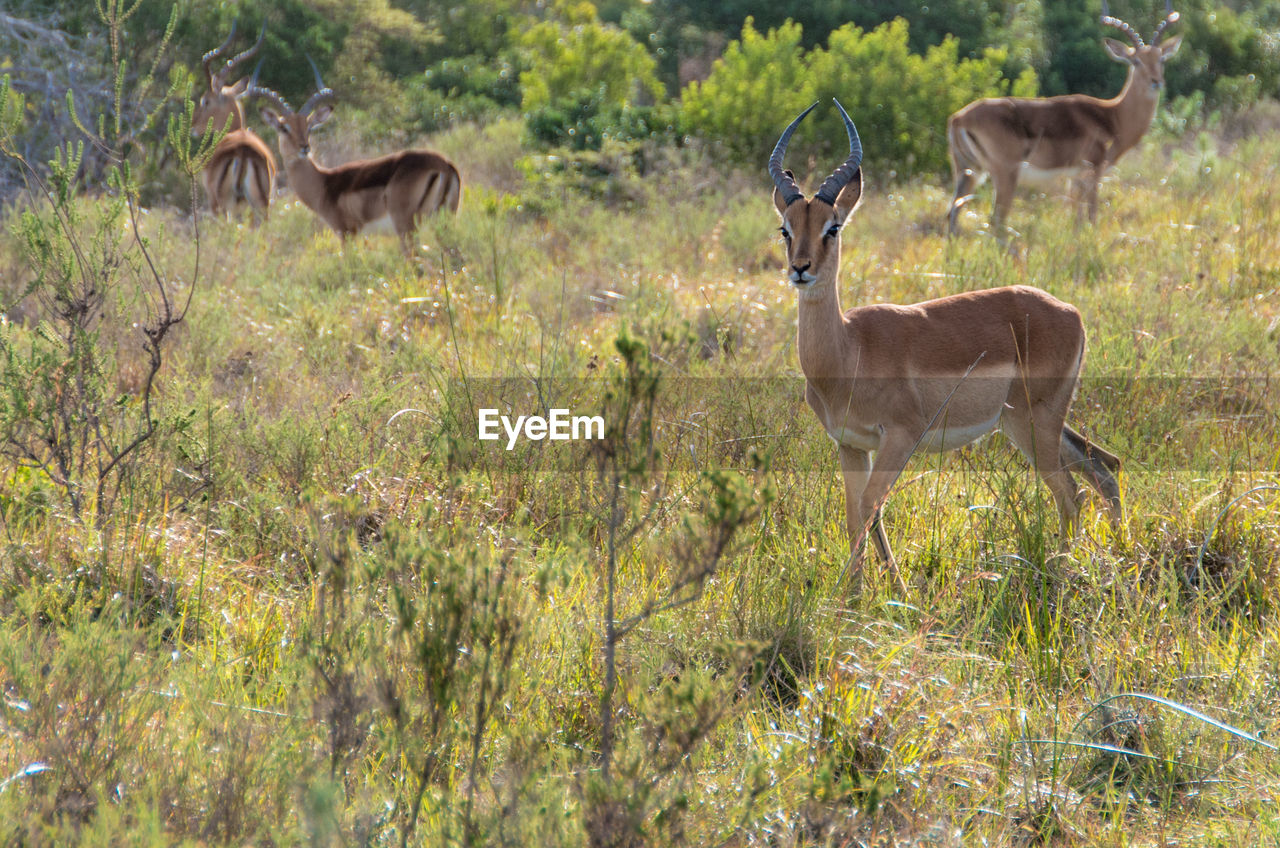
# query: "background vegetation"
[260,584]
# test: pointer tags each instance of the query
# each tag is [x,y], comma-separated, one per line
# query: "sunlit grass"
[332,387]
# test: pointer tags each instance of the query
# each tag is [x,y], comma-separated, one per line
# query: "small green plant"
[72,407]
[629,788]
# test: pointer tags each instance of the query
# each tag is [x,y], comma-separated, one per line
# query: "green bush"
[582,122]
[1228,55]
[900,100]
[577,53]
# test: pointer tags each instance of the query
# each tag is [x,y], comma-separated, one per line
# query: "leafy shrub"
[1228,55]
[579,53]
[458,89]
[582,122]
[900,100]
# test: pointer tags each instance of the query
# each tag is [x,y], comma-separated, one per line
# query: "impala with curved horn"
[241,168]
[1071,135]
[396,189]
[890,380]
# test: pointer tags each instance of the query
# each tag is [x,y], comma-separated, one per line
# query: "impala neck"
[822,330]
[306,178]
[1136,107]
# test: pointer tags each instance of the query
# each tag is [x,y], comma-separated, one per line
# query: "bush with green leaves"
[576,53]
[900,100]
[583,122]
[78,403]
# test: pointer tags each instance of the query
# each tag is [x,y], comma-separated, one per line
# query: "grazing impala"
[241,169]
[1073,135]
[934,376]
[396,189]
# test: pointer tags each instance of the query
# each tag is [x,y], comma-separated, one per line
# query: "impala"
[1073,135]
[890,380]
[396,189]
[241,168]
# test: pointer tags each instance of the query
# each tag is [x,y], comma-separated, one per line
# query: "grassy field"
[322,611]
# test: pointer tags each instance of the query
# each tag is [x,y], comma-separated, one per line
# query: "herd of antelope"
[884,380]
[394,191]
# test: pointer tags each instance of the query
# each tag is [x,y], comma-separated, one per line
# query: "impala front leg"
[855,468]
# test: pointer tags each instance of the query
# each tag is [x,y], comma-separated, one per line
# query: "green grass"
[320,587]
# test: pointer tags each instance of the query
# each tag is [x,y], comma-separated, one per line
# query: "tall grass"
[337,617]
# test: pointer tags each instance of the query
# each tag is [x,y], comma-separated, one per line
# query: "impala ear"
[1118,50]
[322,113]
[778,202]
[1168,48]
[241,86]
[850,196]
[271,118]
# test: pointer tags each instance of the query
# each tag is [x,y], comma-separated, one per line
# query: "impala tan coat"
[242,169]
[397,189]
[888,380]
[1073,135]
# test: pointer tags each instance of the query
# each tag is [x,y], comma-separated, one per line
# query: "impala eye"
[833,231]
[786,236]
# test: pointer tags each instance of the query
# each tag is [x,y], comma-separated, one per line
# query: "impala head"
[294,128]
[811,227]
[221,100]
[1146,61]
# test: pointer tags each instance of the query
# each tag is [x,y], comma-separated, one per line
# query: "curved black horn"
[786,184]
[1107,20]
[1171,17]
[323,93]
[248,54]
[208,58]
[831,186]
[256,91]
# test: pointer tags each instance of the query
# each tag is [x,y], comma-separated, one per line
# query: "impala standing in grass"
[241,169]
[933,376]
[396,189]
[1073,135]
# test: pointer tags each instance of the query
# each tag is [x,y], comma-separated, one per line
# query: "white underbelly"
[949,437]
[1031,174]
[381,226]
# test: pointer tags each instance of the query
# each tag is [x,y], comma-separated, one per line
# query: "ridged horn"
[786,184]
[323,93]
[840,177]
[209,58]
[1107,20]
[256,91]
[248,54]
[1170,17]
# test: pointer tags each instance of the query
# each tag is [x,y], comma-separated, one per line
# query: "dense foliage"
[582,74]
[763,81]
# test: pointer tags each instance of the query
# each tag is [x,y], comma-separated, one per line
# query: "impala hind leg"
[1003,185]
[966,184]
[260,180]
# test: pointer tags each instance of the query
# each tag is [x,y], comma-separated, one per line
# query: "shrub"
[459,89]
[578,54]
[582,122]
[900,100]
